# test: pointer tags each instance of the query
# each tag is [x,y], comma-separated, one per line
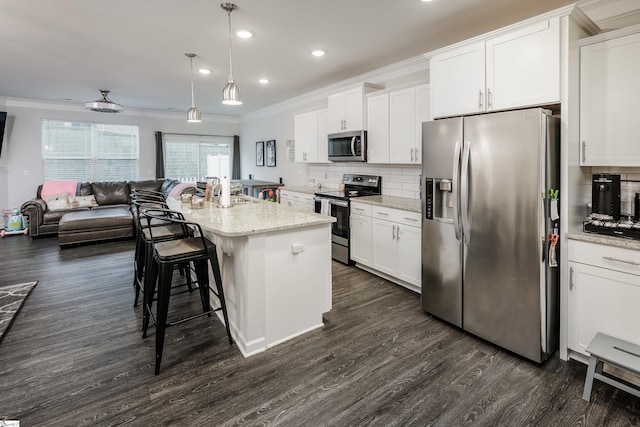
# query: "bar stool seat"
[194,249]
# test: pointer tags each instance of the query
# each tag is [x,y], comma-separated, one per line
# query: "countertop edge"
[402,203]
[601,239]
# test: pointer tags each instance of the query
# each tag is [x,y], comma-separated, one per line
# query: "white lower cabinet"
[360,238]
[388,241]
[603,295]
[297,200]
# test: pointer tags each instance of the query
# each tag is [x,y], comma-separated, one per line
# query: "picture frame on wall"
[260,153]
[271,152]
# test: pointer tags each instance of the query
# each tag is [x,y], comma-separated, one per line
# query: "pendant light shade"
[231,93]
[193,115]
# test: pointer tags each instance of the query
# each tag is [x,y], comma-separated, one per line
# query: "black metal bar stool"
[195,249]
[142,240]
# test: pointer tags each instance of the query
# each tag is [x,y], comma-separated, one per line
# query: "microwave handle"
[353,146]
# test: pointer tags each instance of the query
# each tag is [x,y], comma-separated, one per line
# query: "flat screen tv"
[3,120]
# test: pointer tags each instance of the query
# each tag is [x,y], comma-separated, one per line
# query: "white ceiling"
[68,49]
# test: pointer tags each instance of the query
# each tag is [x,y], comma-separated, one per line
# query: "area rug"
[11,300]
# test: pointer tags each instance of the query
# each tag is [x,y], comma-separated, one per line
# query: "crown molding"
[415,66]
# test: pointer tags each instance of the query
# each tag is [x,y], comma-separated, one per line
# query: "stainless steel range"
[336,203]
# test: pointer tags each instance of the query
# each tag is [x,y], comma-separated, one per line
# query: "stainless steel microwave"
[348,146]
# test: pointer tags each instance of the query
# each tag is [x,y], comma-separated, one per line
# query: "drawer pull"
[382,213]
[410,219]
[608,258]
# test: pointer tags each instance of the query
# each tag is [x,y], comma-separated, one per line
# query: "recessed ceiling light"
[426,1]
[317,52]
[263,81]
[204,71]
[244,34]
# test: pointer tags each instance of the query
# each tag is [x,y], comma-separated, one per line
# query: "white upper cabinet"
[347,109]
[310,133]
[457,81]
[517,69]
[378,128]
[609,89]
[395,125]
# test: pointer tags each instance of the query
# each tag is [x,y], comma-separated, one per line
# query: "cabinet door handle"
[397,232]
[417,159]
[584,151]
[571,278]
[412,154]
[480,99]
[608,258]
[393,232]
[489,98]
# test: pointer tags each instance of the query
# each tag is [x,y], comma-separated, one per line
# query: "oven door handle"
[340,203]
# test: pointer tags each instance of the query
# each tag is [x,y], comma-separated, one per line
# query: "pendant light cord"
[230,52]
[193,102]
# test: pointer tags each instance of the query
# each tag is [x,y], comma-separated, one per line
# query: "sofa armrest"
[34,209]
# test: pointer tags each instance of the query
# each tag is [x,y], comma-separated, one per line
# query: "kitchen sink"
[243,200]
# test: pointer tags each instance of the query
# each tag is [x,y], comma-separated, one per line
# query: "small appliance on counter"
[606,216]
[605,194]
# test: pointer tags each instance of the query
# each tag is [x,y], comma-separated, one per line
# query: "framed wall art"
[271,152]
[260,153]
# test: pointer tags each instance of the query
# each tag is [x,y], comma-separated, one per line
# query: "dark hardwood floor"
[75,356]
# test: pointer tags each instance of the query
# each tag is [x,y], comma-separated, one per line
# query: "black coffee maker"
[605,194]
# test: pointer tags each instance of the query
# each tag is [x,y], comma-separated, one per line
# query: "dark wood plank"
[75,356]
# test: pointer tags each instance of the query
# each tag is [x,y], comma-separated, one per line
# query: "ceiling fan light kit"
[104,105]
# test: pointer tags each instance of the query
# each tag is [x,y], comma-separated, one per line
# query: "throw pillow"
[82,201]
[57,202]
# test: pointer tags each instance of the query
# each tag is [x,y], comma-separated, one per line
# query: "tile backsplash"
[397,180]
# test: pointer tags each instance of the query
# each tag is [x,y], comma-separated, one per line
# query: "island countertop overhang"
[245,219]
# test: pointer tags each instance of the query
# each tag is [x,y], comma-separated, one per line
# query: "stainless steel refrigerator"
[486,226]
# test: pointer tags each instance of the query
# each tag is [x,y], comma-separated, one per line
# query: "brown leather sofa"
[110,219]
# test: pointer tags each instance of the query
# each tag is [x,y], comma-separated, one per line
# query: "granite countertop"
[403,203]
[245,219]
[602,239]
[301,189]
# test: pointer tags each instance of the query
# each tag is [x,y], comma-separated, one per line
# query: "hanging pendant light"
[231,93]
[193,115]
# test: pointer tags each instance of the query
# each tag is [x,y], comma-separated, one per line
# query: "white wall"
[21,168]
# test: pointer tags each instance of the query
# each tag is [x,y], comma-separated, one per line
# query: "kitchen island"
[276,268]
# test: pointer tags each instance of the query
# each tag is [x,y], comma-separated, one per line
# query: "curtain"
[235,168]
[159,156]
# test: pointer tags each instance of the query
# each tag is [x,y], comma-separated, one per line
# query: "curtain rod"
[196,134]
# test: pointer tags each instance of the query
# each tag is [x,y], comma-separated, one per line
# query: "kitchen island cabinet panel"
[276,268]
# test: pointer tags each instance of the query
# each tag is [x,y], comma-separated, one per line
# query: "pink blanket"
[59,186]
[179,188]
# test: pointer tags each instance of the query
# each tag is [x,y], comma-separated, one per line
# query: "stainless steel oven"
[339,209]
[337,204]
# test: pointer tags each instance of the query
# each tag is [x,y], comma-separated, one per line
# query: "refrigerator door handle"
[464,192]
[455,190]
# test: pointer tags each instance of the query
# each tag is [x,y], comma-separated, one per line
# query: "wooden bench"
[622,354]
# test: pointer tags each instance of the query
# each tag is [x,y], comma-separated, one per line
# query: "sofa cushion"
[111,193]
[57,202]
[149,184]
[84,189]
[82,201]
[53,217]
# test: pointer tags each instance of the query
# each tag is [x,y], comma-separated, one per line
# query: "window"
[89,151]
[192,158]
